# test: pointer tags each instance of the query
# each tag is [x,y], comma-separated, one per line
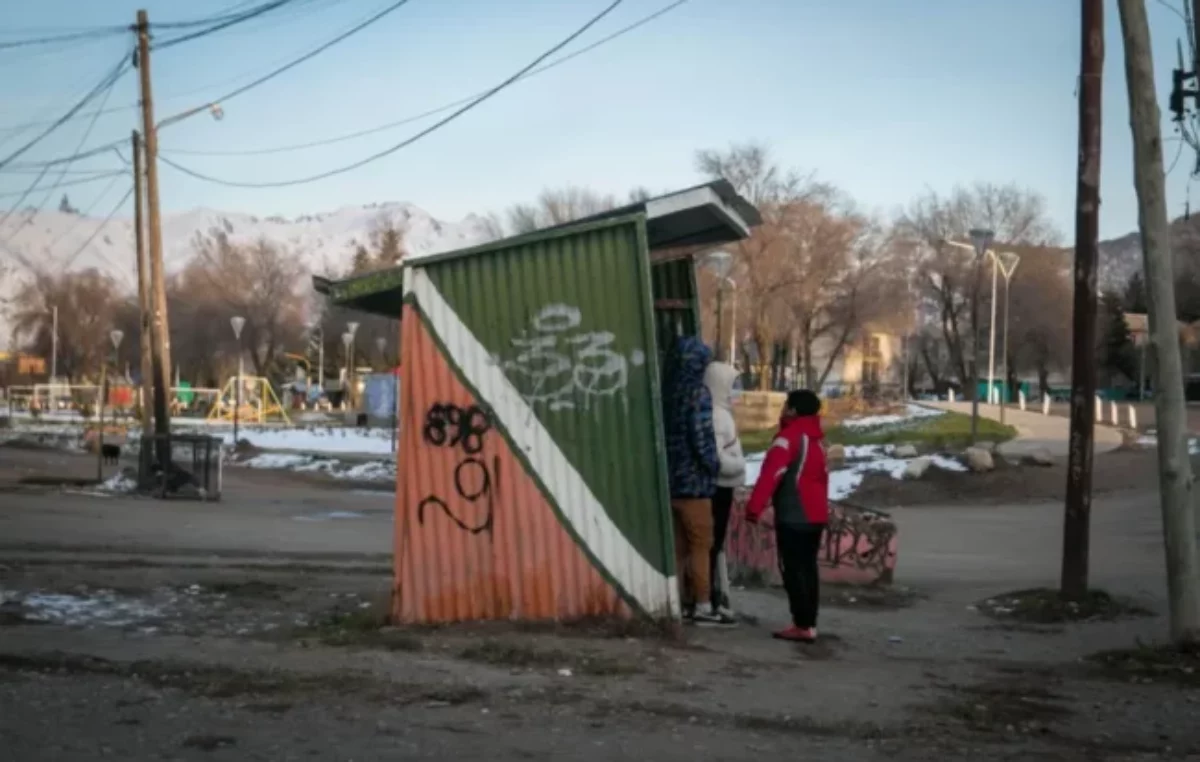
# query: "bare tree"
[1040,314]
[90,305]
[260,282]
[555,206]
[760,262]
[949,277]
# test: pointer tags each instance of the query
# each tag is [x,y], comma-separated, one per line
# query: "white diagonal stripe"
[657,593]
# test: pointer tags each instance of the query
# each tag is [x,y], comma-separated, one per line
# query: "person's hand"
[752,518]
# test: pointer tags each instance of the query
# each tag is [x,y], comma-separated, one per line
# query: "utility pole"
[53,351]
[161,332]
[144,308]
[1077,516]
[1174,468]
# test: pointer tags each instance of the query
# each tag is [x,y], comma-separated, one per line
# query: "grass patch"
[949,431]
[1149,663]
[502,653]
[363,628]
[1044,606]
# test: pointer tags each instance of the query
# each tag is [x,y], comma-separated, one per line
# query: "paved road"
[1035,431]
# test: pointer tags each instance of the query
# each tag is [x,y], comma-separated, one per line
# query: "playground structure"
[258,402]
[82,400]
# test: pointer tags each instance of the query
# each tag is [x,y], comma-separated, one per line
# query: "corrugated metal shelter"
[531,474]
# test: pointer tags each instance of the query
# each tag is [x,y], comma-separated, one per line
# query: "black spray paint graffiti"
[448,425]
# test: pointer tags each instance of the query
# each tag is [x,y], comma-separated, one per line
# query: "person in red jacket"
[795,479]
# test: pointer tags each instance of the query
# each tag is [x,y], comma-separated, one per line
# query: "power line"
[107,86]
[21,126]
[87,133]
[85,213]
[440,109]
[228,14]
[309,55]
[229,21]
[80,36]
[70,183]
[405,143]
[71,259]
[109,80]
[114,147]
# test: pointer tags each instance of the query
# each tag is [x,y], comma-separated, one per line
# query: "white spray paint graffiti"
[588,368]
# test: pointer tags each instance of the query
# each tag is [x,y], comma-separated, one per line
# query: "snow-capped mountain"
[323,242]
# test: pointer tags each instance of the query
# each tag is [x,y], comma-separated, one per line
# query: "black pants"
[721,505]
[798,551]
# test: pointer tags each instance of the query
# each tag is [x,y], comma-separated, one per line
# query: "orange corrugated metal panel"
[476,538]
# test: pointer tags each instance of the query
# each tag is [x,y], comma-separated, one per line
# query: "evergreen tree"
[362,260]
[1117,355]
[1135,295]
[391,247]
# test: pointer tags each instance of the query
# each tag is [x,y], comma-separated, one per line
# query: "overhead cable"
[405,143]
[432,112]
[109,80]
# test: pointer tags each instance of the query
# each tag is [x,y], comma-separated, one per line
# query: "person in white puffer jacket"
[721,379]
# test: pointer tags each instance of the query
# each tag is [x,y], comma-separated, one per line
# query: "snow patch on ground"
[324,439]
[910,414]
[119,482]
[102,607]
[371,471]
[844,481]
[308,440]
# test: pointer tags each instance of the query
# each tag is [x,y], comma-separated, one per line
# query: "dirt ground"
[255,629]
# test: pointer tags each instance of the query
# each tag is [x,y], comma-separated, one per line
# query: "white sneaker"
[705,615]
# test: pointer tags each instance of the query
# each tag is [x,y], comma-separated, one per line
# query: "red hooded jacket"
[794,476]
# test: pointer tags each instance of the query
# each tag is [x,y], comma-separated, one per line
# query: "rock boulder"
[916,468]
[979,460]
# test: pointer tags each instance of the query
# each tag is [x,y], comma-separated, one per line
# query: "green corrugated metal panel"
[568,318]
[674,285]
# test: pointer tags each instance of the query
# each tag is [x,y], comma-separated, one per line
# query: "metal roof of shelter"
[680,222]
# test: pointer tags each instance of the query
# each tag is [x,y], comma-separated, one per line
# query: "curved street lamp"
[721,264]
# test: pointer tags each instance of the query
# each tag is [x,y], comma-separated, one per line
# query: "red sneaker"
[797,635]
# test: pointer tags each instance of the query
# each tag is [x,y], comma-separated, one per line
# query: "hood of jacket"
[720,377]
[806,424]
[691,358]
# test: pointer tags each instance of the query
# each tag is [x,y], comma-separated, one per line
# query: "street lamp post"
[981,239]
[720,262]
[115,336]
[1007,263]
[237,323]
[53,350]
[347,342]
[352,329]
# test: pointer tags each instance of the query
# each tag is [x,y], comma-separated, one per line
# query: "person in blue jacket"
[693,462]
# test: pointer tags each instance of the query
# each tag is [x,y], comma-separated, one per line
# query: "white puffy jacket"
[720,378]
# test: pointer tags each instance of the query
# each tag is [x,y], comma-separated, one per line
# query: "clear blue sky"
[885,98]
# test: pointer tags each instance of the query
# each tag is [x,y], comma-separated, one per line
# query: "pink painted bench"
[859,546]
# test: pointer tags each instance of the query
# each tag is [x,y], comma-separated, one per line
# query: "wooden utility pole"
[144,304]
[161,328]
[1077,519]
[1174,468]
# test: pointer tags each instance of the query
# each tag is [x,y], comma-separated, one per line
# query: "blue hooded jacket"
[692,457]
